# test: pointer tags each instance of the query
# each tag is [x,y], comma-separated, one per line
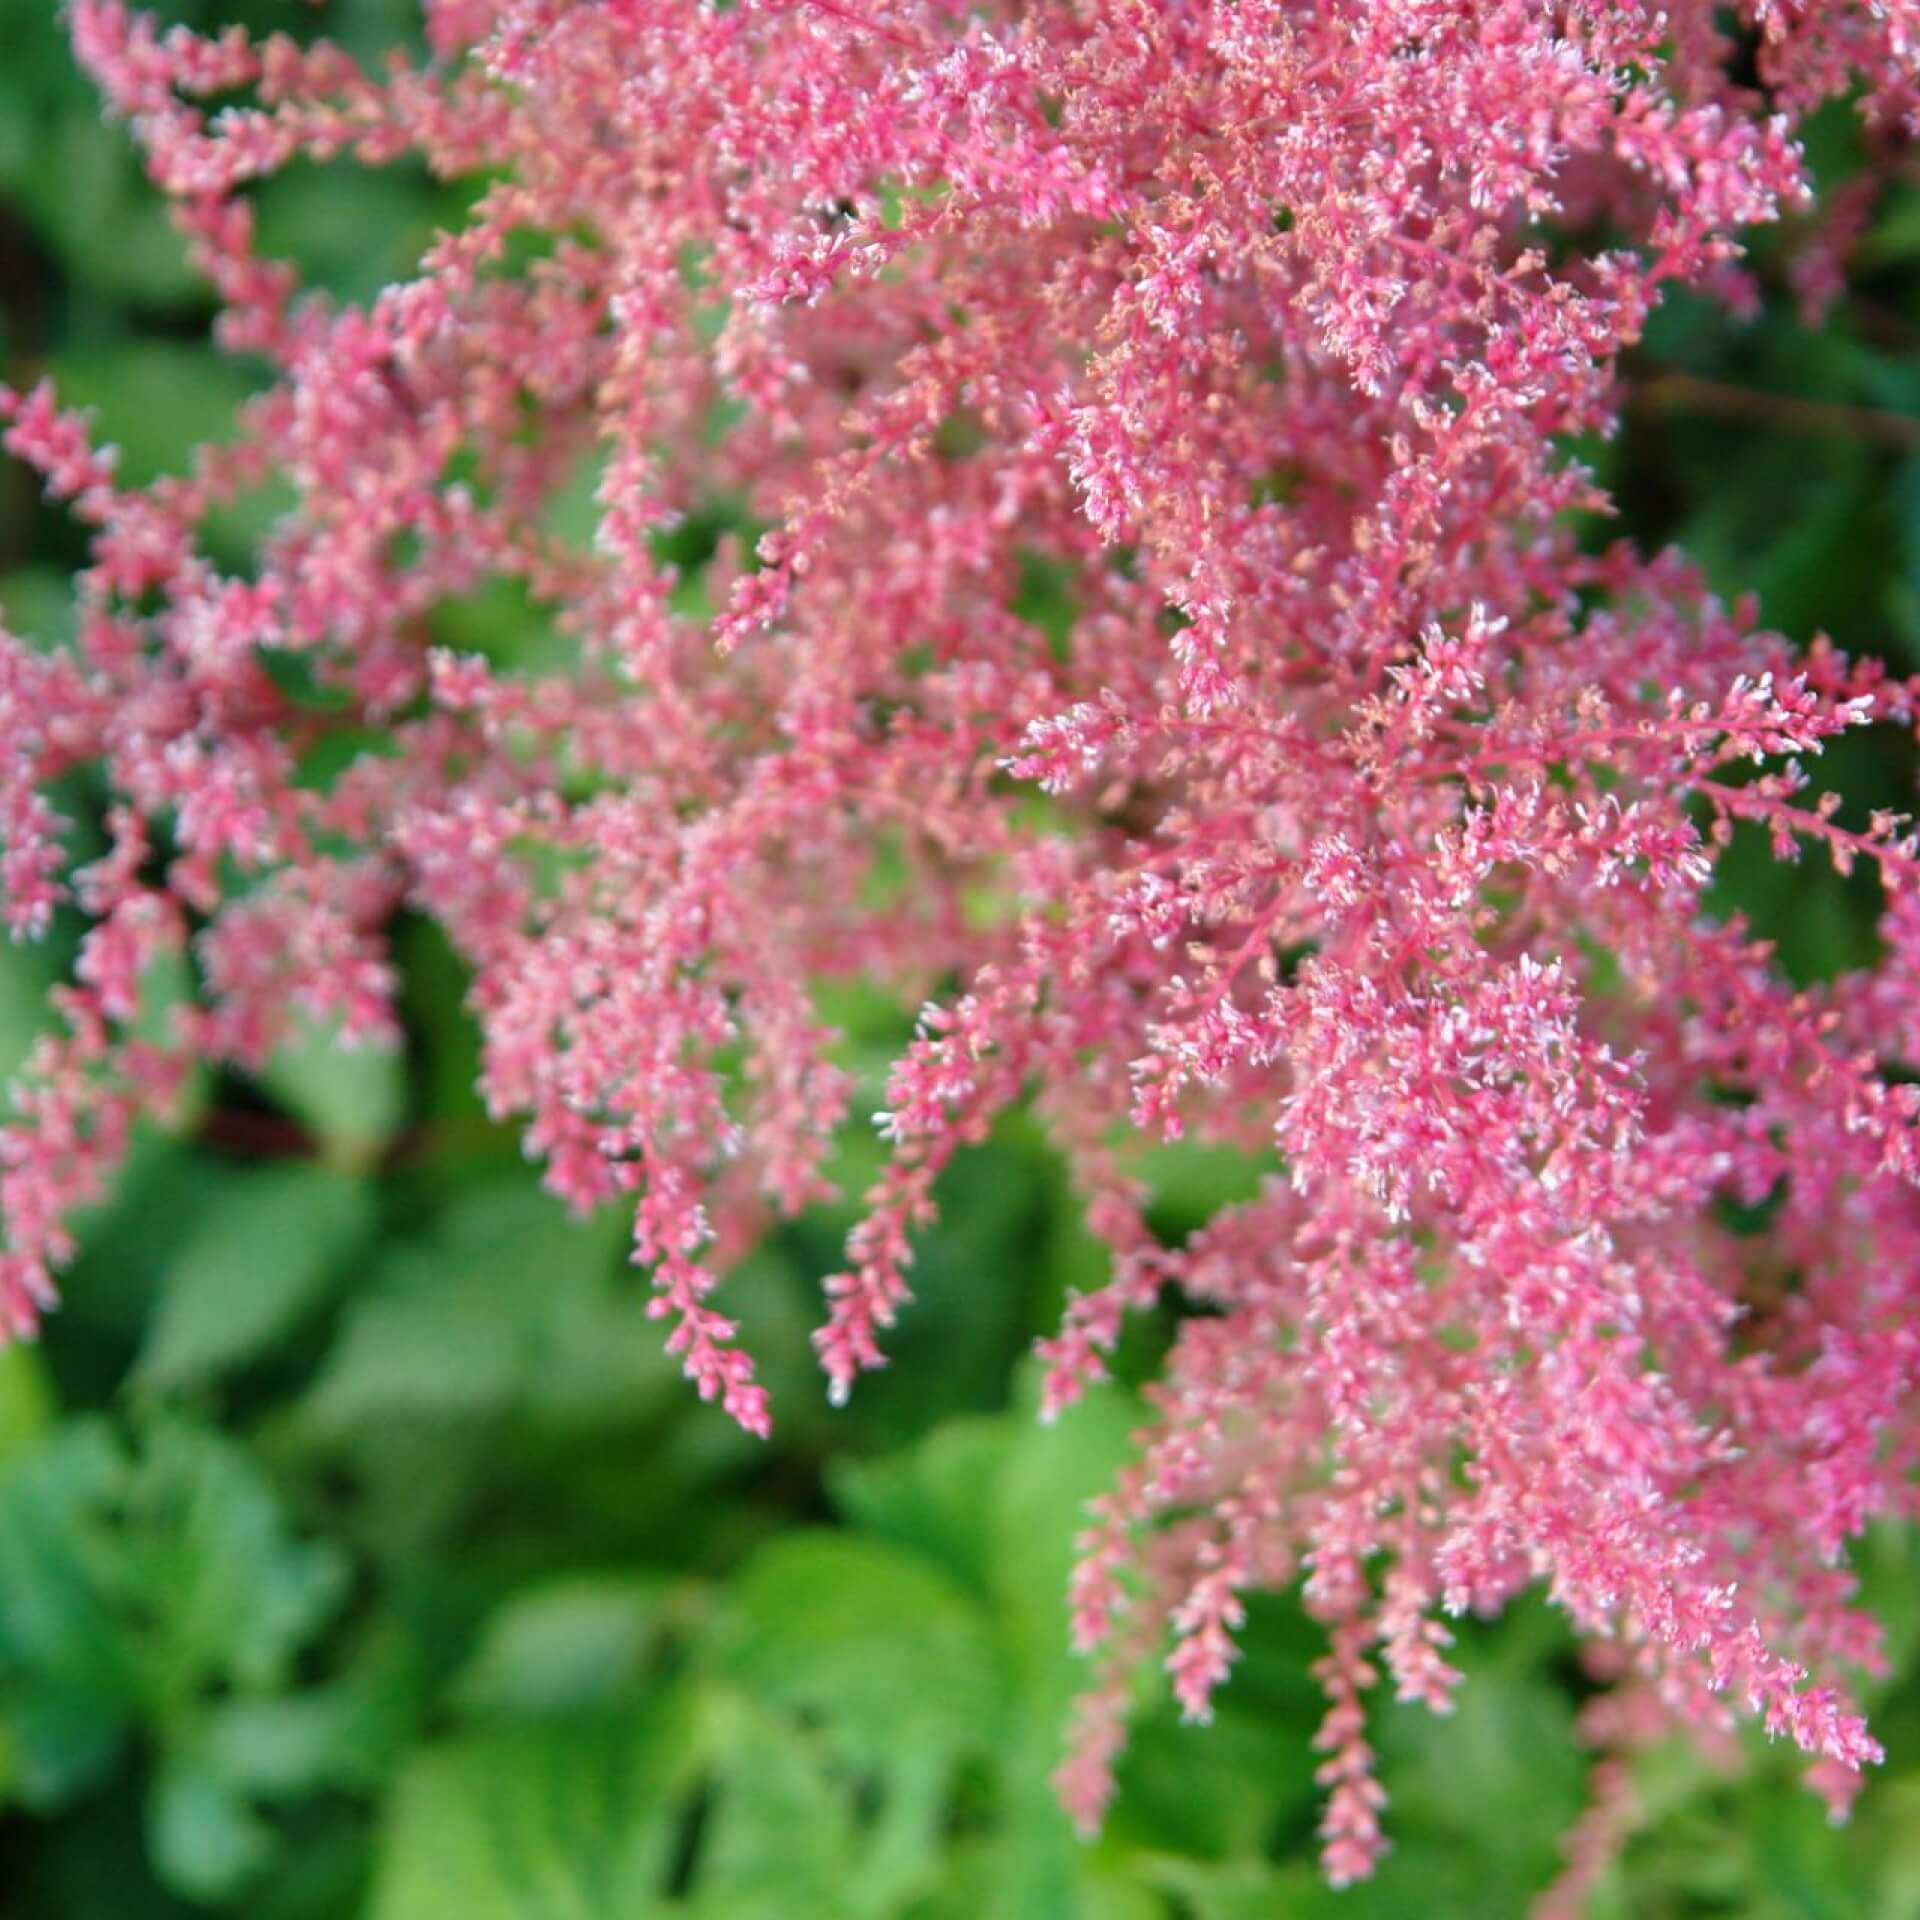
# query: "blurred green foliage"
[361,1554]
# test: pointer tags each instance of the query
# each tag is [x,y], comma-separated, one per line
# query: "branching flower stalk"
[1363,812]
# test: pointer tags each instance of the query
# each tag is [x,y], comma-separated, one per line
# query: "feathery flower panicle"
[1380,812]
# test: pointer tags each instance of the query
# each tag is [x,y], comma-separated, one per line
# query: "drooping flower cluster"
[1358,813]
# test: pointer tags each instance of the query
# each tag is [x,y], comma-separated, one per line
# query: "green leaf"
[930,1498]
[67,1689]
[1508,1742]
[262,1255]
[1036,1507]
[1038,1504]
[28,975]
[1192,1182]
[780,1836]
[470,1321]
[350,1098]
[564,1644]
[351,232]
[891,1667]
[950,1351]
[36,604]
[135,1581]
[1242,1889]
[206,1553]
[553,1820]
[885,1653]
[346,1733]
[27,1408]
[157,399]
[206,1841]
[1219,1791]
[82,185]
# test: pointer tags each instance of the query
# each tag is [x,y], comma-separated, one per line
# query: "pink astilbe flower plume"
[1360,815]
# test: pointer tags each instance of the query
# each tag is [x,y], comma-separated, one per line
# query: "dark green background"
[360,1553]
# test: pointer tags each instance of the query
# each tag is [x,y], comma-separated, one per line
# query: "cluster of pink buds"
[1359,813]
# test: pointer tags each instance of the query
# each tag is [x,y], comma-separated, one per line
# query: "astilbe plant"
[1362,815]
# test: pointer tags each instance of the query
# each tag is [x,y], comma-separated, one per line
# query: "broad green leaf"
[166,985]
[350,1098]
[780,1835]
[567,1644]
[1219,1791]
[161,1192]
[206,1552]
[82,185]
[135,1580]
[67,1682]
[1038,1504]
[1241,1890]
[347,1732]
[36,604]
[468,1323]
[552,1820]
[1116,1889]
[157,399]
[261,1255]
[1191,1182]
[351,232]
[206,1841]
[1896,1883]
[1509,1740]
[885,1653]
[950,1351]
[27,1408]
[931,1498]
[28,975]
